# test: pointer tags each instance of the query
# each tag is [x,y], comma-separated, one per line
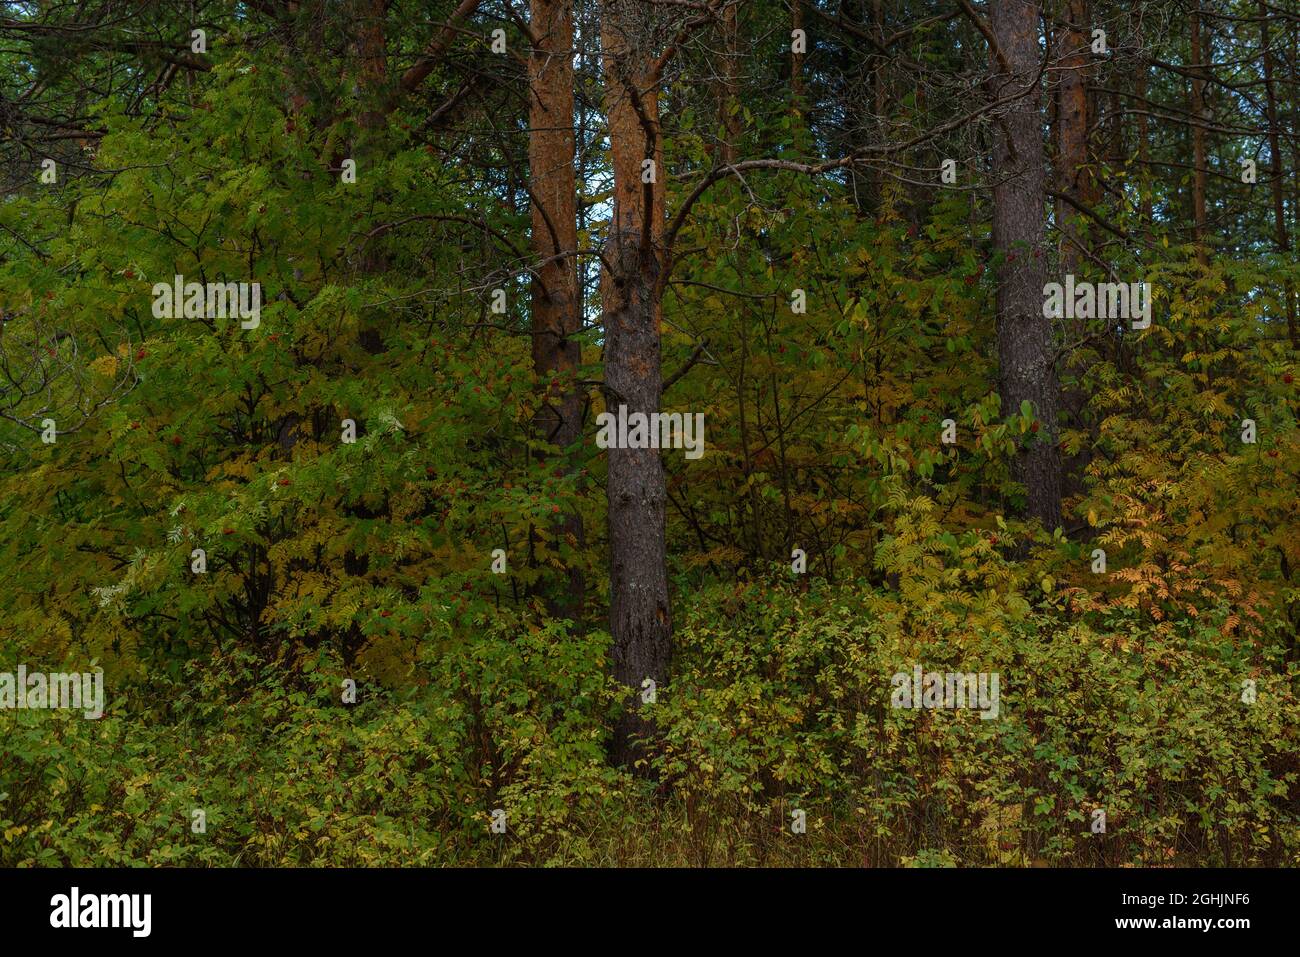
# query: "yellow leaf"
[105,366]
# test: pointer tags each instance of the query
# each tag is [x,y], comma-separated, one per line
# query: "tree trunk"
[1198,137]
[1275,172]
[796,59]
[372,51]
[1073,178]
[1024,335]
[729,98]
[1143,145]
[640,621]
[372,54]
[1072,171]
[556,301]
[1293,67]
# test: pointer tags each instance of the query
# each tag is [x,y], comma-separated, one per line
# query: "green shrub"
[780,701]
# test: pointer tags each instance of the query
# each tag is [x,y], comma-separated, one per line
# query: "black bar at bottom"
[336,907]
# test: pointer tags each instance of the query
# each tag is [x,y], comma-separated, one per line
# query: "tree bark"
[556,300]
[1275,171]
[1143,147]
[640,617]
[729,98]
[1073,176]
[1072,171]
[1293,71]
[372,54]
[1198,138]
[1024,335]
[796,59]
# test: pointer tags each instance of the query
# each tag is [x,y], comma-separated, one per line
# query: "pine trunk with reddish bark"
[556,296]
